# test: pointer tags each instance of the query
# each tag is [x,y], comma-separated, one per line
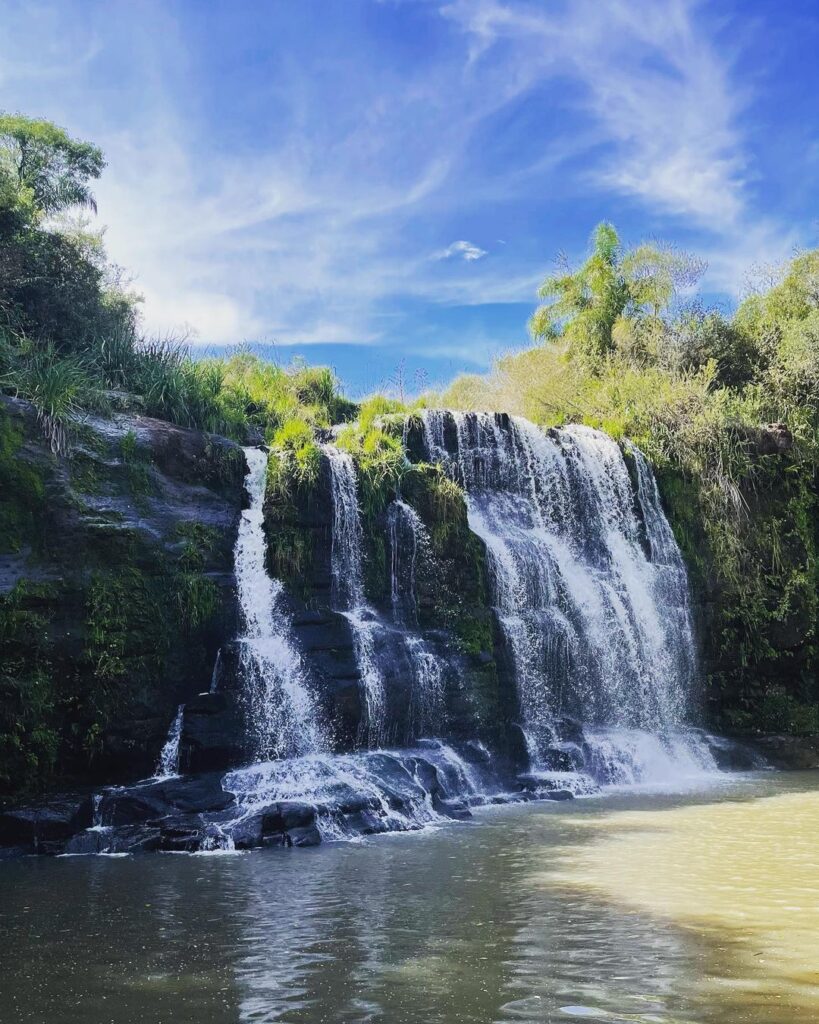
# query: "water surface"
[700,907]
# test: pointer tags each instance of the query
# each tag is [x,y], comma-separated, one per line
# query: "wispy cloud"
[660,85]
[656,83]
[465,250]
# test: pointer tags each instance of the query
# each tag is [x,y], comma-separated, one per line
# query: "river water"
[700,907]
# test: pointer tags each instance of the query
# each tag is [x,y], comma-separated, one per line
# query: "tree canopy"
[47,166]
[614,296]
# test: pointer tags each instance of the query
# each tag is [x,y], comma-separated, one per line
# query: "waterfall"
[214,677]
[589,588]
[367,792]
[348,588]
[283,717]
[168,764]
[407,540]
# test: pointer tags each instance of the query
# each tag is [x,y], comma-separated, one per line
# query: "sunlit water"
[699,907]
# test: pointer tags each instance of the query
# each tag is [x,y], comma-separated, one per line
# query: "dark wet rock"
[455,809]
[277,840]
[91,841]
[735,755]
[308,835]
[565,758]
[788,752]
[212,733]
[110,527]
[125,839]
[13,852]
[248,832]
[183,834]
[559,794]
[55,819]
[287,815]
[154,800]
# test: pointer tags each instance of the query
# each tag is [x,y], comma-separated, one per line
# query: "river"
[660,908]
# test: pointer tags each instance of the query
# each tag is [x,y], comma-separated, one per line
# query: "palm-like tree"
[47,164]
[612,293]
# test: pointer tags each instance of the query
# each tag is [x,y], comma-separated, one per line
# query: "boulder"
[55,819]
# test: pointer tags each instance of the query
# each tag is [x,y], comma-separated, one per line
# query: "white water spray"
[168,765]
[598,629]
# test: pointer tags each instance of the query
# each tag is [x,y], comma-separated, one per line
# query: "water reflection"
[596,911]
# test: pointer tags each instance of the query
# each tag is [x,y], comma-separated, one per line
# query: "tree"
[615,298]
[47,165]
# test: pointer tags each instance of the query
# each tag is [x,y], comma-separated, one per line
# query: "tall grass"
[59,387]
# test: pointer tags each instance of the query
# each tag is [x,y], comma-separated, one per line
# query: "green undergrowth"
[22,491]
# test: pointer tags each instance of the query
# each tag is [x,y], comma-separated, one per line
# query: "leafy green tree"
[615,299]
[56,284]
[47,165]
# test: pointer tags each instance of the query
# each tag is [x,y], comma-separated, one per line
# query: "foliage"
[47,163]
[296,456]
[55,284]
[69,323]
[381,462]
[28,740]
[194,595]
[58,387]
[21,491]
[614,299]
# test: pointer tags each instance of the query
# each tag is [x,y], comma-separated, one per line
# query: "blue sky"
[380,182]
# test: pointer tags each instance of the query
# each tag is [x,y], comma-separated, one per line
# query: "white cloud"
[661,91]
[656,84]
[466,250]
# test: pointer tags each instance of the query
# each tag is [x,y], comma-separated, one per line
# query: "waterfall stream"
[168,765]
[283,715]
[407,541]
[348,588]
[590,591]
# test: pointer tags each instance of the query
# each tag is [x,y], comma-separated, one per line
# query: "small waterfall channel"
[282,712]
[407,541]
[348,588]
[168,764]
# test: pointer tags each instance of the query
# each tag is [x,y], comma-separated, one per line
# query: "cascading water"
[168,765]
[590,591]
[348,589]
[591,594]
[407,540]
[368,792]
[283,716]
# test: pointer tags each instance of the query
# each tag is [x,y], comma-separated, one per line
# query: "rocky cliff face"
[757,620]
[116,590]
[451,611]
